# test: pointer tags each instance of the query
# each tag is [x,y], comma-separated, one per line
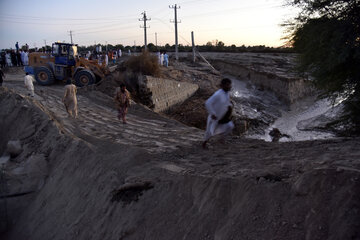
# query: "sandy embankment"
[104,180]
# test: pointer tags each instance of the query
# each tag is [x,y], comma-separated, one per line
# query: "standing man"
[23,57]
[2,76]
[29,80]
[219,109]
[166,59]
[8,59]
[18,59]
[106,57]
[17,47]
[3,59]
[70,100]
[122,101]
[159,57]
[115,56]
[26,58]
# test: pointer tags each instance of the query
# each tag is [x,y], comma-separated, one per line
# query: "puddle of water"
[290,116]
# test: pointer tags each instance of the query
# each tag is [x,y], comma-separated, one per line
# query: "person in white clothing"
[219,108]
[28,80]
[8,59]
[70,100]
[106,59]
[161,58]
[22,53]
[166,59]
[26,58]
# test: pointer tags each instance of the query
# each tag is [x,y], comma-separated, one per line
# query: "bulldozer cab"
[64,53]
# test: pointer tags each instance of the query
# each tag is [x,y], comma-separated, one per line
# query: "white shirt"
[26,58]
[22,54]
[218,103]
[28,80]
[106,59]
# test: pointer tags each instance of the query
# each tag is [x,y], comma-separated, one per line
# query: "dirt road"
[97,117]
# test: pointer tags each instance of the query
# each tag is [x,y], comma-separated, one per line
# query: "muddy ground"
[96,178]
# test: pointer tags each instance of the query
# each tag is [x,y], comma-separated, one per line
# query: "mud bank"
[246,189]
[287,89]
[271,71]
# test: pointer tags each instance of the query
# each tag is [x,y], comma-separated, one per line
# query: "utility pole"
[176,32]
[156,40]
[45,45]
[193,45]
[144,19]
[71,36]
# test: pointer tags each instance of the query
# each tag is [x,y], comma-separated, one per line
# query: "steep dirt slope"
[120,183]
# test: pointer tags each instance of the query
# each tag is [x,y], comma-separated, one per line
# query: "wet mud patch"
[130,192]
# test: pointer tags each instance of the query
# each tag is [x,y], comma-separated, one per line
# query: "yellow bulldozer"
[63,63]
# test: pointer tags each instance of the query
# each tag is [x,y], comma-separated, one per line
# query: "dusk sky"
[117,22]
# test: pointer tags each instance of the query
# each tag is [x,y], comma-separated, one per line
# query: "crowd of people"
[163,58]
[106,58]
[15,57]
[113,56]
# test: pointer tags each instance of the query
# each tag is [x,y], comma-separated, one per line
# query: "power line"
[233,10]
[103,26]
[52,24]
[65,19]
[108,30]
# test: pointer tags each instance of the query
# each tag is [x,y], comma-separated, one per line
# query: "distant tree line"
[217,46]
[208,47]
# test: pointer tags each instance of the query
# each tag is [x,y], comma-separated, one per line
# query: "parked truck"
[63,63]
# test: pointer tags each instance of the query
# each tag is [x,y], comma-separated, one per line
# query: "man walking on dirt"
[122,101]
[219,109]
[29,84]
[70,100]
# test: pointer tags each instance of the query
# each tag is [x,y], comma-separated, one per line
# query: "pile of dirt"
[192,112]
[245,189]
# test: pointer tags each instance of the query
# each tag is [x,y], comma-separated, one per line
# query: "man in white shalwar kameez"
[106,59]
[28,80]
[26,58]
[218,107]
